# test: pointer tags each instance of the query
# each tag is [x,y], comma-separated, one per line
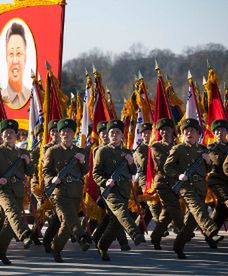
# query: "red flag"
[101,112]
[215,106]
[2,110]
[162,110]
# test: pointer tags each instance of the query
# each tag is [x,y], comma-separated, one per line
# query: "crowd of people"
[183,173]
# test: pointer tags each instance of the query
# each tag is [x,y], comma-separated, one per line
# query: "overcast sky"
[114,25]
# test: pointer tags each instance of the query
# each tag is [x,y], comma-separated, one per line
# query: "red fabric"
[162,108]
[55,111]
[2,110]
[149,174]
[215,109]
[215,112]
[101,110]
[92,188]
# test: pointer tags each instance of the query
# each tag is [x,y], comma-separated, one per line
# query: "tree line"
[118,71]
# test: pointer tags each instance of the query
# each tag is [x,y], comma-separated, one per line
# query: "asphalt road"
[140,261]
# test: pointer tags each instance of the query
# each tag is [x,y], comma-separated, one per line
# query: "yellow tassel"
[93,210]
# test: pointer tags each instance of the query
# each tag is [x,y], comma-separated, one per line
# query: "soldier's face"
[54,134]
[16,58]
[39,136]
[220,134]
[9,136]
[104,136]
[66,135]
[191,135]
[115,136]
[146,135]
[166,132]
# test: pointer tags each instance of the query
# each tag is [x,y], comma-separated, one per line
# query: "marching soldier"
[170,202]
[12,189]
[67,194]
[121,236]
[53,221]
[141,160]
[193,189]
[108,158]
[217,180]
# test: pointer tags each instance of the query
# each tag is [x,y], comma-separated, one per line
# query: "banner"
[31,32]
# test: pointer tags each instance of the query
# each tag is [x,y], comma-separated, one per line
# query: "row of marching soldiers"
[64,166]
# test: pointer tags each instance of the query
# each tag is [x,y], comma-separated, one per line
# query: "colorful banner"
[31,32]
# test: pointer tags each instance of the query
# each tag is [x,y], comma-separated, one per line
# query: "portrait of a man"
[16,94]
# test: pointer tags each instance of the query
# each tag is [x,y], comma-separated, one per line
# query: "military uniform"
[192,191]
[162,182]
[107,159]
[217,180]
[12,193]
[53,221]
[141,160]
[97,234]
[67,195]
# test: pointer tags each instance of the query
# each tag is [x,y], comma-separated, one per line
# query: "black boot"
[180,254]
[84,243]
[27,241]
[5,260]
[57,256]
[104,255]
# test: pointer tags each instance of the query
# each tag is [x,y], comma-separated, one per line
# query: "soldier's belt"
[13,179]
[70,179]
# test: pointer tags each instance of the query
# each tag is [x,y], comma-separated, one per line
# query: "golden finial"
[189,75]
[204,80]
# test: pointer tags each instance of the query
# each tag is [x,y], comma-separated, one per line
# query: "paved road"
[140,261]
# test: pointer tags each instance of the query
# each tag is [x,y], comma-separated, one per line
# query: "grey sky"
[114,25]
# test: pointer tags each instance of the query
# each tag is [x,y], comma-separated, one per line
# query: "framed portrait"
[18,56]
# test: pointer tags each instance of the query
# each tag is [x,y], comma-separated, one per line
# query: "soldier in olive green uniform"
[225,166]
[217,180]
[193,190]
[108,158]
[67,194]
[12,189]
[121,236]
[141,160]
[170,202]
[53,221]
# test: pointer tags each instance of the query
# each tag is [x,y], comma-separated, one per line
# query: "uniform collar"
[165,142]
[8,147]
[191,145]
[115,147]
[67,148]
